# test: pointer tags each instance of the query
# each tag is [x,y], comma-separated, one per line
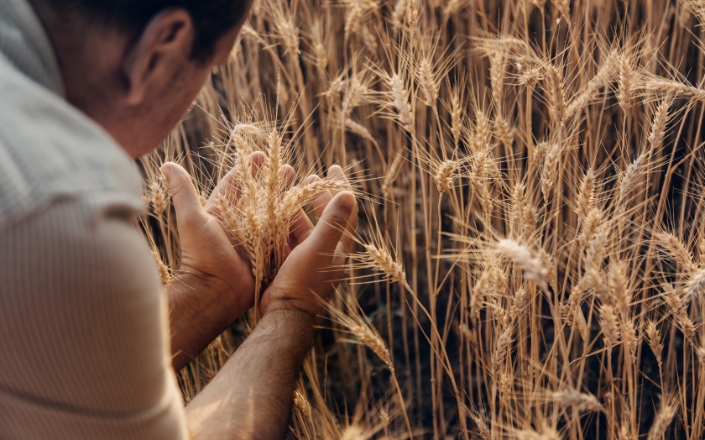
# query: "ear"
[163,45]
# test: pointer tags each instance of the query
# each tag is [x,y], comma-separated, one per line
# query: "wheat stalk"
[523,178]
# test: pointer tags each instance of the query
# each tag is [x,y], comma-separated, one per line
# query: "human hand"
[212,262]
[315,264]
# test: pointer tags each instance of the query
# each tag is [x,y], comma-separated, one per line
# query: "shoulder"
[49,150]
[85,323]
[77,280]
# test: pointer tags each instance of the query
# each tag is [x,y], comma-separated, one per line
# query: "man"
[85,87]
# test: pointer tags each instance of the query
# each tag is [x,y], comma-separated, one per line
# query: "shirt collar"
[26,45]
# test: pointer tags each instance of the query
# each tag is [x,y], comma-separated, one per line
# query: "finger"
[257,159]
[318,205]
[319,201]
[286,176]
[301,228]
[333,222]
[187,204]
[347,238]
[336,173]
[230,184]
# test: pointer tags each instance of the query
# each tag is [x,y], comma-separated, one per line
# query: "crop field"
[530,261]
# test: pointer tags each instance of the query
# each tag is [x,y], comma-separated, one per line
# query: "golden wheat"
[532,247]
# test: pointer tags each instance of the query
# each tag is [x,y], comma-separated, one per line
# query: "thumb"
[332,224]
[187,204]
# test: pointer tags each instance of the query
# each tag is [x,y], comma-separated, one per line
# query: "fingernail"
[335,169]
[347,201]
[166,170]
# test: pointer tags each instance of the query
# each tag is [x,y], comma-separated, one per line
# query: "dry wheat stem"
[525,179]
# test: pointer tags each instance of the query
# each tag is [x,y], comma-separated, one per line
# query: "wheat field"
[530,262]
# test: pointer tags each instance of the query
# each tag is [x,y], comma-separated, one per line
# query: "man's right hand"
[251,396]
[317,260]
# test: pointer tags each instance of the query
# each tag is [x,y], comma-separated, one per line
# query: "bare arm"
[251,396]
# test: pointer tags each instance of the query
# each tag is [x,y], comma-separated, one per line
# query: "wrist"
[294,308]
[311,306]
[292,322]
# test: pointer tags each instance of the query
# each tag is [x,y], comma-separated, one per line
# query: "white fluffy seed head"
[523,258]
[577,400]
[401,102]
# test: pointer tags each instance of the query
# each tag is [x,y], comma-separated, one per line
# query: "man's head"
[135,66]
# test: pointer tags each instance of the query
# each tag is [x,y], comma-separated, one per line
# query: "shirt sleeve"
[84,329]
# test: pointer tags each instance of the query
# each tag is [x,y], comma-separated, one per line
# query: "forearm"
[197,315]
[251,396]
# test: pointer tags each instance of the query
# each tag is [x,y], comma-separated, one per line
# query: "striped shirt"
[83,323]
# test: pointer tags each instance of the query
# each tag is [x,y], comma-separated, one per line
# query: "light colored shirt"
[83,322]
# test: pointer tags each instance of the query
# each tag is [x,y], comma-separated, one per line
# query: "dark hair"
[211,18]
